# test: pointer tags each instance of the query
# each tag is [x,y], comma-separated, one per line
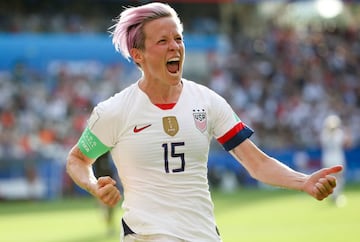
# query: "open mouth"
[173,65]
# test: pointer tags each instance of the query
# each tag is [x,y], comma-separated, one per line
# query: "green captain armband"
[90,145]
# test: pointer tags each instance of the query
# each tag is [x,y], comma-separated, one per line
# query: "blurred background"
[282,65]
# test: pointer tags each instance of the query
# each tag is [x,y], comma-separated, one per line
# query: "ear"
[136,55]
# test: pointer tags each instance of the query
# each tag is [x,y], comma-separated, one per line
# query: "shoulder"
[104,113]
[115,106]
[197,88]
[119,99]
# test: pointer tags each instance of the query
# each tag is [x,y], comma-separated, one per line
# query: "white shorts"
[151,238]
[127,235]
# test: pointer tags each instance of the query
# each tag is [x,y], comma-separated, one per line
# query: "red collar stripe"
[166,106]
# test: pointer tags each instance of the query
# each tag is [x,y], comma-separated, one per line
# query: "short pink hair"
[128,30]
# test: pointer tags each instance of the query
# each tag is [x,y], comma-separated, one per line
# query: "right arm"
[79,168]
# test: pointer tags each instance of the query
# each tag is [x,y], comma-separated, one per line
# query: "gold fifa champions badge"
[170,125]
[200,119]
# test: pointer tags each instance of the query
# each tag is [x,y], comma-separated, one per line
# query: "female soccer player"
[158,131]
[334,140]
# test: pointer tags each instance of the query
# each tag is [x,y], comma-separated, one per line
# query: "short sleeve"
[227,127]
[99,134]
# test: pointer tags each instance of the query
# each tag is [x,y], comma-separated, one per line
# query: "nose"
[174,45]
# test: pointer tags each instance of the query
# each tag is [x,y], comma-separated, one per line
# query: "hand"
[107,192]
[321,183]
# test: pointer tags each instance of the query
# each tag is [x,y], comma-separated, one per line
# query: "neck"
[161,94]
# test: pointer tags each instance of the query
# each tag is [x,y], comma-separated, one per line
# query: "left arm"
[266,169]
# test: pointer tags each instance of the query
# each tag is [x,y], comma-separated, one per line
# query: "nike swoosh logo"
[137,130]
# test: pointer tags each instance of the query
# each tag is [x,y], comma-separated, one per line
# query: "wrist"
[91,186]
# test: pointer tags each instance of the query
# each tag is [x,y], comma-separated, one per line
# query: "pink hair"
[128,29]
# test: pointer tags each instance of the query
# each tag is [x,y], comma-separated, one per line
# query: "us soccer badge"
[170,125]
[200,119]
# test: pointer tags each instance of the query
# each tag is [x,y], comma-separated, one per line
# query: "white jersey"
[161,157]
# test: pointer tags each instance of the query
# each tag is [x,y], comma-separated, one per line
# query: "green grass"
[248,215]
[279,215]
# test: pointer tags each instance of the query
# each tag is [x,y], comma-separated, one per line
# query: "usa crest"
[200,119]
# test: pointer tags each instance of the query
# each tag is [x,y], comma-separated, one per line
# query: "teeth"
[174,59]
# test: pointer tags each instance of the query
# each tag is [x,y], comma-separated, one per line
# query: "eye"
[179,39]
[162,41]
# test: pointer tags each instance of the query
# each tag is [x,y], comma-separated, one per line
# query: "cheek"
[154,56]
[154,65]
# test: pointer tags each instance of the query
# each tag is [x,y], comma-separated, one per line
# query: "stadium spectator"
[158,131]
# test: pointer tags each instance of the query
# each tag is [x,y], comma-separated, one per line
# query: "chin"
[175,78]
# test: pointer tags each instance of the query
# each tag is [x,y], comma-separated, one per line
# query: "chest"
[168,139]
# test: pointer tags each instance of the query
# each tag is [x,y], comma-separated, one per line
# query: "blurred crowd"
[43,114]
[61,16]
[282,82]
[285,82]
